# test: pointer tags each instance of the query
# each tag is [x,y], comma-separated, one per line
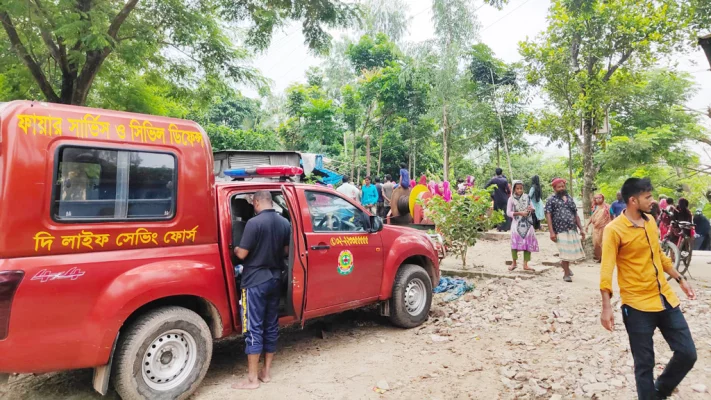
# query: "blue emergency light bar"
[264,171]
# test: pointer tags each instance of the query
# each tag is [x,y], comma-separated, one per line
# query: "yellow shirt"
[640,264]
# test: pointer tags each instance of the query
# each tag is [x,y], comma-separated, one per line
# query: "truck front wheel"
[162,355]
[412,296]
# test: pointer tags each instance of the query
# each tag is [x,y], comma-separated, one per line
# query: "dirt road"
[507,339]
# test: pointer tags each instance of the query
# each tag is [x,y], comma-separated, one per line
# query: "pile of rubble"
[547,342]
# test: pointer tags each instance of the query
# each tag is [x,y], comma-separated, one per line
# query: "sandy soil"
[535,338]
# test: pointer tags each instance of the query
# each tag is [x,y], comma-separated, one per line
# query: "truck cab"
[117,249]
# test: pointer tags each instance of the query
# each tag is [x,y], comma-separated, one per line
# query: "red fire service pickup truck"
[116,249]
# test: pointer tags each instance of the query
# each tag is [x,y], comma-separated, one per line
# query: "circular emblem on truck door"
[345,262]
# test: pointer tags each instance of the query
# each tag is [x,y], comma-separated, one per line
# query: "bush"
[463,220]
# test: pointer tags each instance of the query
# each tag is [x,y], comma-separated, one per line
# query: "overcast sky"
[287,59]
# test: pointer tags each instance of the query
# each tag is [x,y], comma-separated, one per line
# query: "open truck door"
[297,271]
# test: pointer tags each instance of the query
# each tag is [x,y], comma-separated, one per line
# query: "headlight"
[436,240]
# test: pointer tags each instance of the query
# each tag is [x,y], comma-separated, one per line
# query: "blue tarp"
[456,286]
[328,177]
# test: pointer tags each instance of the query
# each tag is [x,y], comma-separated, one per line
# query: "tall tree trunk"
[345,145]
[365,128]
[498,154]
[367,155]
[353,156]
[445,147]
[506,149]
[409,155]
[570,161]
[588,168]
[501,123]
[414,160]
[380,148]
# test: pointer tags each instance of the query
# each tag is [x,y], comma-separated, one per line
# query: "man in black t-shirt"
[703,229]
[500,195]
[263,246]
[380,204]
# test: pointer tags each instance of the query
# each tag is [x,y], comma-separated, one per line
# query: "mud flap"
[4,378]
[385,308]
[102,374]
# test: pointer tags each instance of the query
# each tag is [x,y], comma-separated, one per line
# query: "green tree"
[313,120]
[455,29]
[496,88]
[368,58]
[386,16]
[236,112]
[559,128]
[463,220]
[651,133]
[592,48]
[225,138]
[59,48]
[371,53]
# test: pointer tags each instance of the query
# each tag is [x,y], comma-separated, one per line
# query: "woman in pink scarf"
[446,191]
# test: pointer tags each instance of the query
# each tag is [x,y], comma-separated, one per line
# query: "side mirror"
[376,224]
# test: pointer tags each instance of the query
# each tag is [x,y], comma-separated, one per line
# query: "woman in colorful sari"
[523,235]
[600,218]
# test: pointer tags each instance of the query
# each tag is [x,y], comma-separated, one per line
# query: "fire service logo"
[345,262]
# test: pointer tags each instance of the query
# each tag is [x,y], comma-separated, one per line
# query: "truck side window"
[330,213]
[101,184]
[150,185]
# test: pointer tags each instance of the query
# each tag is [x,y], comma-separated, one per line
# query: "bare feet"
[513,266]
[527,268]
[265,376]
[246,384]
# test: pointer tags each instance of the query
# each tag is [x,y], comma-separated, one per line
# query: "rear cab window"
[97,184]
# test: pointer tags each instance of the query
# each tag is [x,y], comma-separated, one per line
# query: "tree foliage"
[592,49]
[225,138]
[58,50]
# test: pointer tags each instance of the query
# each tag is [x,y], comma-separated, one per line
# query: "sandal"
[512,267]
[567,278]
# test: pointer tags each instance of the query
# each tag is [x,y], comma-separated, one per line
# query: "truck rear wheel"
[163,355]
[412,296]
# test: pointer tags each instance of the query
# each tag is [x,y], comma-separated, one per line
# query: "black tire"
[687,248]
[672,252]
[132,354]
[402,313]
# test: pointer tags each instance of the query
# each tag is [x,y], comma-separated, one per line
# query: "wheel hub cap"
[169,359]
[415,296]
[166,358]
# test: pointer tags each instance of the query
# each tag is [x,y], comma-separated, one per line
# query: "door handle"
[320,247]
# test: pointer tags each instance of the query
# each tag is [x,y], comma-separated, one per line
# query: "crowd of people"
[524,212]
[625,236]
[380,196]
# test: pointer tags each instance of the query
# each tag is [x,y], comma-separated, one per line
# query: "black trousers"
[640,328]
[506,225]
[380,206]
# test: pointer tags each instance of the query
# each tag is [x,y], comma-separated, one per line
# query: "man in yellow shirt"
[631,242]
